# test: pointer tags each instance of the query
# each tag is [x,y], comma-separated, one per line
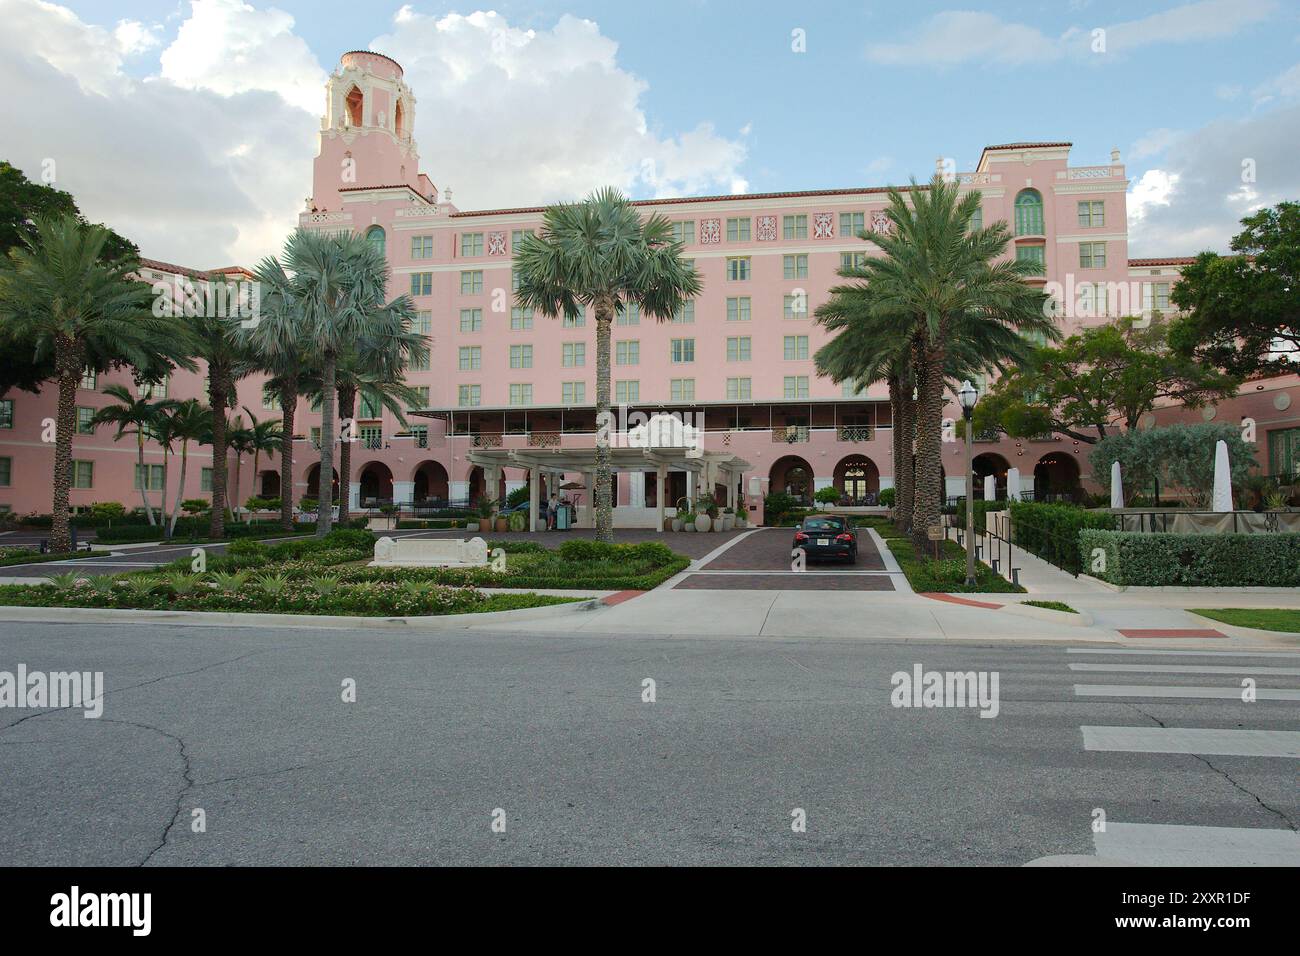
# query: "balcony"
[986,436]
[790,434]
[855,433]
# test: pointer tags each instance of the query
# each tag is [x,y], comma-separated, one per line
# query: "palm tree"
[601,254]
[219,344]
[239,439]
[136,415]
[63,300]
[264,437]
[940,280]
[189,421]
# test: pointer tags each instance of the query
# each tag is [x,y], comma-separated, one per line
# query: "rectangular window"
[796,347]
[686,314]
[1092,255]
[576,322]
[89,379]
[517,236]
[738,308]
[682,389]
[471,283]
[521,394]
[270,400]
[471,358]
[423,323]
[1155,296]
[1033,254]
[627,391]
[6,413]
[795,306]
[155,391]
[738,349]
[420,435]
[683,350]
[415,365]
[739,389]
[852,260]
[794,227]
[738,230]
[573,354]
[471,244]
[521,319]
[205,474]
[371,407]
[422,247]
[521,356]
[628,352]
[6,472]
[850,390]
[794,267]
[471,320]
[468,395]
[629,313]
[315,441]
[977,220]
[1091,214]
[514,280]
[738,268]
[1283,451]
[421,398]
[796,386]
[852,223]
[85,417]
[151,473]
[371,436]
[421,283]
[684,232]
[573,393]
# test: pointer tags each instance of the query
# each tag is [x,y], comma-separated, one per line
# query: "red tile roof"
[158,265]
[1168,261]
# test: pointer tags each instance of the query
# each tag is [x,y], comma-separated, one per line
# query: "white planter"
[703,523]
[471,526]
[728,522]
[677,524]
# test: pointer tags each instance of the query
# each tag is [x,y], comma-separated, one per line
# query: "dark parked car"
[827,536]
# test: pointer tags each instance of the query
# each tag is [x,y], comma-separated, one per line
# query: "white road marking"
[1192,740]
[1165,690]
[1186,669]
[1161,844]
[1154,651]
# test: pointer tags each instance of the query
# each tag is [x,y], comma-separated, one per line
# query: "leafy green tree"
[1243,311]
[601,254]
[59,294]
[136,415]
[189,421]
[1178,456]
[264,439]
[1098,381]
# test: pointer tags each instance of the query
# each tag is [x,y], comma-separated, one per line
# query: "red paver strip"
[1141,632]
[620,597]
[785,582]
[953,599]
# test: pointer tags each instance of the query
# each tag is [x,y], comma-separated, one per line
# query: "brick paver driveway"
[766,554]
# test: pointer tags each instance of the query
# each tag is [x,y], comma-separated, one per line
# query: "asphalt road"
[249,725]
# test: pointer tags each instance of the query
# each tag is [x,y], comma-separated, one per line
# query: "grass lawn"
[1264,618]
[944,576]
[35,557]
[1052,605]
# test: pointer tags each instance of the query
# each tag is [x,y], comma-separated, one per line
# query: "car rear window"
[822,524]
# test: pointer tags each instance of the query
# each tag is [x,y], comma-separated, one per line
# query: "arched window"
[399,120]
[353,103]
[1029,213]
[375,236]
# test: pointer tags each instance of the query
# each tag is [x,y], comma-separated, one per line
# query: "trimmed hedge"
[408,524]
[188,529]
[1133,558]
[1052,531]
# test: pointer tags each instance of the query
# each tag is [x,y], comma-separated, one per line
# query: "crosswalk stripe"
[1165,690]
[1186,669]
[1193,740]
[1166,651]
[1163,844]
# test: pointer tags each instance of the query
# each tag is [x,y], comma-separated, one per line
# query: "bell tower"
[365,137]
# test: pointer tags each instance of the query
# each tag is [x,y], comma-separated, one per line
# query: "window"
[156,391]
[375,236]
[471,320]
[6,413]
[1283,452]
[371,436]
[852,260]
[738,230]
[421,399]
[6,472]
[628,352]
[738,268]
[682,389]
[83,475]
[521,319]
[514,280]
[573,393]
[1035,255]
[85,421]
[471,244]
[517,236]
[686,314]
[206,484]
[796,386]
[153,474]
[422,247]
[738,308]
[521,394]
[89,379]
[521,356]
[627,391]
[738,348]
[1155,295]
[414,364]
[421,283]
[794,227]
[572,354]
[795,306]
[468,395]
[1092,302]
[852,223]
[794,267]
[977,220]
[683,350]
[684,232]
[420,435]
[1092,213]
[739,389]
[423,323]
[629,313]
[471,358]
[850,390]
[1029,213]
[270,400]
[471,283]
[370,407]
[796,347]
[576,322]
[1092,255]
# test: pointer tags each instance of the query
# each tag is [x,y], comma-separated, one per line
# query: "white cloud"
[1285,85]
[1153,143]
[134,37]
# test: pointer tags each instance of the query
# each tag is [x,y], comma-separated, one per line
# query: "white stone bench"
[429,553]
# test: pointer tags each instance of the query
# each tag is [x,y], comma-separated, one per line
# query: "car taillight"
[800,536]
[844,537]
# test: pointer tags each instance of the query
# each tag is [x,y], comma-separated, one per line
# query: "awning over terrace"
[711,467]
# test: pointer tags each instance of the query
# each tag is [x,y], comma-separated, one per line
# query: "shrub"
[1192,560]
[517,497]
[433,525]
[108,511]
[827,496]
[887,496]
[1180,455]
[580,549]
[1052,531]
[247,549]
[777,505]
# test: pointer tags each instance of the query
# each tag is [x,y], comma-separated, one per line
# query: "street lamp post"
[968,396]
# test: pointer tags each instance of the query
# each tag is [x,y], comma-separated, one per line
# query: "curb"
[1079,619]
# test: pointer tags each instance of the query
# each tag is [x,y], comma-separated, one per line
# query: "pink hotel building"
[740,355]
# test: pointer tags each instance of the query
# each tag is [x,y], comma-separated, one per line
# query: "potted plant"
[741,519]
[703,522]
[517,521]
[502,521]
[728,519]
[688,522]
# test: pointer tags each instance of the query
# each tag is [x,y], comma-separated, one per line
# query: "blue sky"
[726,104]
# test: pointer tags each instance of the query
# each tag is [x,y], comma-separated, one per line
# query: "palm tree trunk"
[180,489]
[144,476]
[238,464]
[604,477]
[325,517]
[347,404]
[68,363]
[929,446]
[162,498]
[902,459]
[907,469]
[218,398]
[288,406]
